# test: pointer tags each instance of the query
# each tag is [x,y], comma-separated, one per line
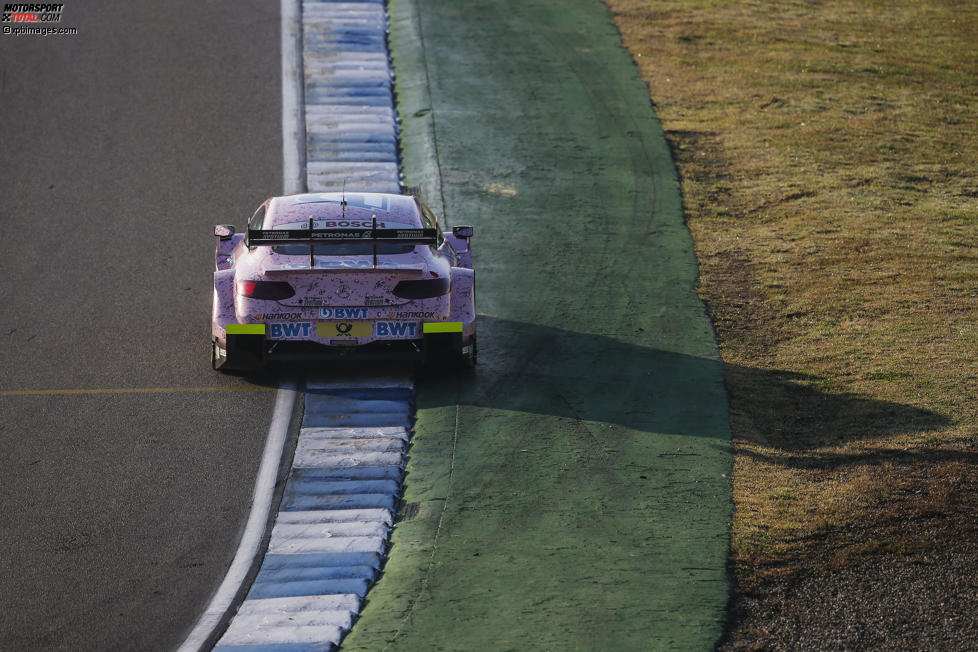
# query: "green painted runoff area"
[573,492]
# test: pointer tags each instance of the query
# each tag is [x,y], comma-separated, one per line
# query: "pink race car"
[342,275]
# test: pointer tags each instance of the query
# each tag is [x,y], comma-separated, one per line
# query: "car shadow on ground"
[298,374]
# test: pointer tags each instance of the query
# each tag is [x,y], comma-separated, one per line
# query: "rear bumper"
[253,350]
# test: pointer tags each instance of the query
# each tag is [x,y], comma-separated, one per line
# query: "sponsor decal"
[407,234]
[344,329]
[290,330]
[343,292]
[397,329]
[342,313]
[375,301]
[363,224]
[411,315]
[338,235]
[279,315]
[351,329]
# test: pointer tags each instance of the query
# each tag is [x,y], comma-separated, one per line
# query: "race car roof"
[394,209]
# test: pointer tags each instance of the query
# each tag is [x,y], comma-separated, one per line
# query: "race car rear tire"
[445,351]
[218,359]
[243,354]
[472,355]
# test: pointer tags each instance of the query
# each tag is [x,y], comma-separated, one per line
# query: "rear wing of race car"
[312,237]
[267,237]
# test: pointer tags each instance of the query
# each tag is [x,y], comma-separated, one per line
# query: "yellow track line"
[132,390]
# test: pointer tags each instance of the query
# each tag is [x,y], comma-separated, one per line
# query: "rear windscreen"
[345,249]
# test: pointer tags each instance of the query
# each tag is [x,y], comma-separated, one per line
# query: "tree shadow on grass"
[805,428]
[544,370]
[788,413]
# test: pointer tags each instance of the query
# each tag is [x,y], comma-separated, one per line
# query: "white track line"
[251,541]
[293,181]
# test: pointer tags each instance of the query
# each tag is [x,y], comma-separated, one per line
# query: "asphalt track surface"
[120,148]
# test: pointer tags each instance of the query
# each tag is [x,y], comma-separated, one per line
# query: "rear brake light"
[423,289]
[269,290]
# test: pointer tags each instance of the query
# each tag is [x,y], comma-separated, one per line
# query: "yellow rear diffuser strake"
[443,327]
[246,329]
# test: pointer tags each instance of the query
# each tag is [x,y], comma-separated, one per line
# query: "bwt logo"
[32,13]
[290,330]
[397,329]
[342,313]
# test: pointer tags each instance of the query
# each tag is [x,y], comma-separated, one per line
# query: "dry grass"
[828,151]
